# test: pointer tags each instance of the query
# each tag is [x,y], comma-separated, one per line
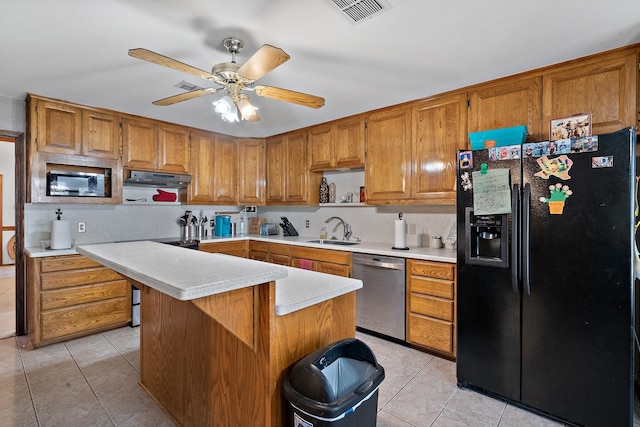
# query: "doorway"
[12,268]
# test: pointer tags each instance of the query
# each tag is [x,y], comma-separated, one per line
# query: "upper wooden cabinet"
[63,128]
[507,103]
[173,145]
[288,178]
[214,169]
[439,129]
[251,171]
[140,143]
[604,85]
[225,170]
[388,150]
[151,145]
[337,145]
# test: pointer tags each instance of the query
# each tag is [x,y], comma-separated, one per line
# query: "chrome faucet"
[346,228]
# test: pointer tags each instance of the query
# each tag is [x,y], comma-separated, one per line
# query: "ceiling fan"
[234,78]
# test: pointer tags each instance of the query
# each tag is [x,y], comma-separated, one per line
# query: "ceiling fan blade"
[264,60]
[185,96]
[156,58]
[289,96]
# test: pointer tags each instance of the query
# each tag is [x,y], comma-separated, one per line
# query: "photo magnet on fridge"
[466,160]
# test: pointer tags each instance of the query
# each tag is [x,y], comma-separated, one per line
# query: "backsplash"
[105,223]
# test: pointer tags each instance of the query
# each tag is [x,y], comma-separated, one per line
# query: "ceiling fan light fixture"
[226,108]
[245,108]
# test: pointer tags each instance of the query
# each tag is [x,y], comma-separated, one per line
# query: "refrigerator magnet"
[465,181]
[557,198]
[558,167]
[466,160]
[602,162]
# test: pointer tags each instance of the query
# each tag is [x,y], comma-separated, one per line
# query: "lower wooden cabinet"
[275,253]
[237,248]
[71,296]
[328,261]
[431,288]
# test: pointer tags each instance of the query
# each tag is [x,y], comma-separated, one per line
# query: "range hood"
[157,179]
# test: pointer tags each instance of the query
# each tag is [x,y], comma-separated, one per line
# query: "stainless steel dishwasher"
[380,303]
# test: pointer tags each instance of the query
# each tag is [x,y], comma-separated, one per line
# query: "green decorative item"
[556,200]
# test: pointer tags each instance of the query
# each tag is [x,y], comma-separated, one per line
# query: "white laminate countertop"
[186,274]
[375,248]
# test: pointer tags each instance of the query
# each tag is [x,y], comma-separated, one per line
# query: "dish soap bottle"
[323,232]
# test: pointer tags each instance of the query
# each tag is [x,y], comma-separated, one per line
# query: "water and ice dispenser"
[487,239]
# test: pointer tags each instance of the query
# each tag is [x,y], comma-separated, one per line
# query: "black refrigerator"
[545,301]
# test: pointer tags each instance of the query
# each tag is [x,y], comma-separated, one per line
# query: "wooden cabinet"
[151,145]
[100,134]
[56,127]
[388,150]
[237,248]
[71,296]
[508,102]
[173,146]
[140,143]
[288,178]
[438,130]
[338,144]
[604,85]
[275,253]
[214,169]
[431,289]
[251,171]
[328,261]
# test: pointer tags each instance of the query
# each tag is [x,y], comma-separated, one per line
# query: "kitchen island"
[220,333]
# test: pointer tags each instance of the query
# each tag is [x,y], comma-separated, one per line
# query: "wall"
[12,114]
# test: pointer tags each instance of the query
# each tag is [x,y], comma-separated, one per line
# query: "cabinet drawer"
[328,255]
[335,269]
[279,259]
[259,255]
[437,270]
[435,287]
[275,248]
[258,246]
[430,306]
[64,279]
[72,262]
[83,294]
[432,333]
[80,319]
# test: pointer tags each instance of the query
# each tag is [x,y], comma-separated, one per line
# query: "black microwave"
[75,184]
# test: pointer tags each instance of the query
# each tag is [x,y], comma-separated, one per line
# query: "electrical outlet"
[250,209]
[306,223]
[82,227]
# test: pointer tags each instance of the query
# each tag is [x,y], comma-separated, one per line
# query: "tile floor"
[93,381]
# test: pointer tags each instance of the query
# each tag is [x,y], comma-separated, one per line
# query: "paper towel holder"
[405,248]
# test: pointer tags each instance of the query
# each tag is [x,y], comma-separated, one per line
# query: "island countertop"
[186,274]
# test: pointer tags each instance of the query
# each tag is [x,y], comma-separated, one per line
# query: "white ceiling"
[76,50]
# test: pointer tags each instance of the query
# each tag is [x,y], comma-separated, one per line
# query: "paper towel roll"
[400,240]
[60,234]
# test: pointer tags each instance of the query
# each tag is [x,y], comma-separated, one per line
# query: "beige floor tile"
[385,419]
[443,369]
[16,407]
[10,360]
[386,392]
[431,388]
[88,350]
[449,418]
[477,406]
[516,417]
[413,409]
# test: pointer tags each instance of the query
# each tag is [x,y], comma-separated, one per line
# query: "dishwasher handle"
[379,263]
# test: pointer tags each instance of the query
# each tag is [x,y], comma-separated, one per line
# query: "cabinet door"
[173,144]
[297,168]
[251,173]
[100,135]
[388,150]
[321,147]
[439,129]
[225,170]
[140,144]
[276,173]
[511,102]
[604,86]
[58,127]
[348,142]
[202,160]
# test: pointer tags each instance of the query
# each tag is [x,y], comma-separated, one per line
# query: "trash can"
[336,385]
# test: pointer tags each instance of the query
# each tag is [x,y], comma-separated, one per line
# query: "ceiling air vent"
[357,11]
[187,86]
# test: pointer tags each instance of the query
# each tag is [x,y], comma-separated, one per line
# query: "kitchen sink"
[333,242]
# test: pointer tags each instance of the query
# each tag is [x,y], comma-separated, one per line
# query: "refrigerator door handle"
[526,222]
[515,236]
